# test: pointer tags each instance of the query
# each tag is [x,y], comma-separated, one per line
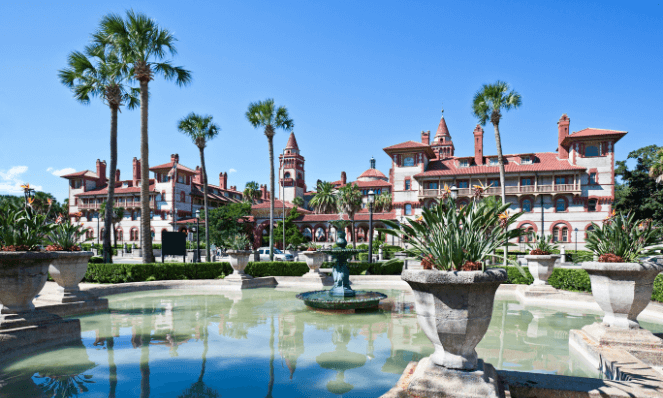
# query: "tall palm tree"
[142,46]
[298,201]
[349,200]
[324,201]
[265,114]
[116,216]
[252,192]
[488,104]
[201,129]
[97,73]
[383,202]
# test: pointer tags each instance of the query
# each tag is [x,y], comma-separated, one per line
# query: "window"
[565,235]
[555,237]
[560,233]
[560,204]
[525,160]
[286,175]
[180,179]
[133,234]
[408,209]
[182,197]
[133,216]
[591,205]
[407,185]
[527,205]
[589,229]
[463,184]
[560,180]
[408,161]
[526,181]
[432,185]
[592,178]
[494,182]
[591,151]
[493,162]
[299,176]
[463,163]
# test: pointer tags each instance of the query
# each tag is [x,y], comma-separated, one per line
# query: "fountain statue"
[341,296]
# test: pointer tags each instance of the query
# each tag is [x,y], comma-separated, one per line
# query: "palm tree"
[116,216]
[349,200]
[488,104]
[324,201]
[141,45]
[252,192]
[201,129]
[264,114]
[383,202]
[656,170]
[96,73]
[298,201]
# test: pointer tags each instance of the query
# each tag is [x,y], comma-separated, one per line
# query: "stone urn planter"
[22,276]
[622,290]
[68,269]
[314,260]
[454,310]
[238,260]
[541,267]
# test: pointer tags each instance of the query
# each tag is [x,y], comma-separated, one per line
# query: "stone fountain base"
[426,379]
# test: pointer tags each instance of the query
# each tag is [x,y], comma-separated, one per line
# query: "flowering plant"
[453,239]
[22,229]
[64,236]
[542,246]
[623,239]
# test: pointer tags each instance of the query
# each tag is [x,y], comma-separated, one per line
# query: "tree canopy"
[637,192]
[225,221]
[292,234]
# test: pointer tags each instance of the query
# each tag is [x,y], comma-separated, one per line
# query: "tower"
[442,144]
[291,171]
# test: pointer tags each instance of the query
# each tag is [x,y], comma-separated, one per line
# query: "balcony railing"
[125,204]
[523,189]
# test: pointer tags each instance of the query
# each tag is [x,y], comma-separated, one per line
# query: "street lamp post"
[371,200]
[198,234]
[576,231]
[454,191]
[98,217]
[282,196]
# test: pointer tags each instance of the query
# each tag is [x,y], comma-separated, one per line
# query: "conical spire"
[442,129]
[292,142]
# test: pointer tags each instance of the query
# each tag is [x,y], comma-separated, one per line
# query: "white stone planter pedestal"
[314,260]
[541,267]
[67,270]
[238,260]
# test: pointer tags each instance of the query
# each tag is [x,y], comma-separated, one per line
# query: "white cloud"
[61,172]
[232,171]
[11,181]
[49,169]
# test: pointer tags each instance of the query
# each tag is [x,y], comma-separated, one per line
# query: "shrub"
[360,268]
[276,268]
[657,294]
[96,260]
[575,280]
[120,273]
[515,277]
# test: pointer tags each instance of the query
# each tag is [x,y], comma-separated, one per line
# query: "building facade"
[176,192]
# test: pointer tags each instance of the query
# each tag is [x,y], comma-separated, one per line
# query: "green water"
[266,343]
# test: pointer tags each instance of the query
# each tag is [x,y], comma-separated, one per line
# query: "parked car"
[278,255]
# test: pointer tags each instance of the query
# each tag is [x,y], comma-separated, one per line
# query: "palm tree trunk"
[146,232]
[500,161]
[112,367]
[202,163]
[108,217]
[270,139]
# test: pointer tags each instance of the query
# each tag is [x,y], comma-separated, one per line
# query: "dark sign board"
[173,244]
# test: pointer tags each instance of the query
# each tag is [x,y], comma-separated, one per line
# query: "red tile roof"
[86,173]
[278,205]
[442,129]
[198,191]
[292,142]
[545,162]
[410,145]
[376,183]
[373,173]
[170,166]
[312,218]
[118,190]
[592,132]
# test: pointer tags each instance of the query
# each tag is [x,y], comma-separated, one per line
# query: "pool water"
[265,342]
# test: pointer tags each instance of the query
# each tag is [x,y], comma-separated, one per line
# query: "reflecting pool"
[266,342]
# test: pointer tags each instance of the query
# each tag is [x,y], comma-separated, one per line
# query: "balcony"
[510,190]
[125,204]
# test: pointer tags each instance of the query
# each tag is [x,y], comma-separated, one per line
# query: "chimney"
[233,187]
[175,158]
[478,145]
[562,132]
[198,177]
[263,190]
[101,172]
[136,170]
[223,180]
[344,178]
[425,137]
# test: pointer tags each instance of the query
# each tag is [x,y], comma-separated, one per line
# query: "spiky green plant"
[623,236]
[65,236]
[237,242]
[22,229]
[449,237]
[542,243]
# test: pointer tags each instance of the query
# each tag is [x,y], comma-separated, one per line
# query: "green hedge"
[276,268]
[575,280]
[358,268]
[121,273]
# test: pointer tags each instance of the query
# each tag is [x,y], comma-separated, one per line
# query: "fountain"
[341,297]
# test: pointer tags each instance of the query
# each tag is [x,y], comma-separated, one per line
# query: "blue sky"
[355,76]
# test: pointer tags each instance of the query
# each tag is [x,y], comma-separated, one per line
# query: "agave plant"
[237,242]
[542,245]
[65,237]
[622,238]
[454,239]
[22,229]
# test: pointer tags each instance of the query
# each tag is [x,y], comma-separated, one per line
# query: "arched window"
[555,237]
[286,175]
[527,205]
[591,150]
[588,230]
[133,234]
[299,176]
[591,205]
[560,233]
[408,209]
[560,205]
[408,161]
[529,234]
